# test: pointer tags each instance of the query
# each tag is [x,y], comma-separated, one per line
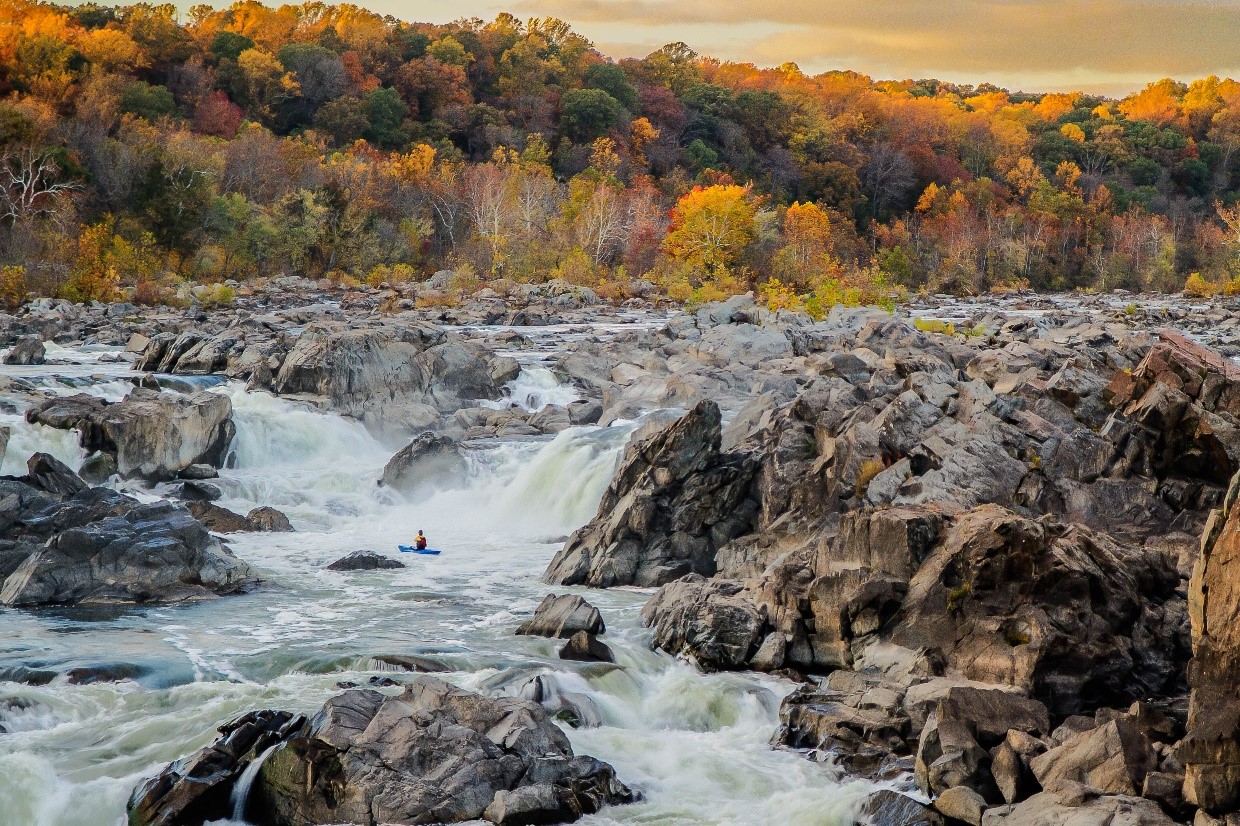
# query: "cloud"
[1111,45]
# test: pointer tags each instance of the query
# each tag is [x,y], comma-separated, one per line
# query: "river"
[696,745]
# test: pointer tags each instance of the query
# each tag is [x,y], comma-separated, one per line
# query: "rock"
[191,491]
[268,520]
[1068,803]
[954,748]
[153,435]
[707,619]
[198,472]
[585,647]
[98,467]
[433,754]
[1113,758]
[1211,750]
[674,501]
[48,473]
[960,803]
[198,788]
[562,617]
[137,343]
[890,808]
[27,350]
[100,546]
[364,561]
[427,463]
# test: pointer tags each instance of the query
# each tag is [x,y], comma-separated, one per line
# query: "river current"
[71,750]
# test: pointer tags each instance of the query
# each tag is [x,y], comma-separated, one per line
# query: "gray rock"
[709,620]
[562,617]
[889,808]
[365,561]
[585,647]
[27,350]
[427,463]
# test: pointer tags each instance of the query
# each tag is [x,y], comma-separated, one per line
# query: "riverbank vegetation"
[143,152]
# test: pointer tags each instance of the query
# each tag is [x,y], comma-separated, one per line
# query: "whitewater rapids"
[695,745]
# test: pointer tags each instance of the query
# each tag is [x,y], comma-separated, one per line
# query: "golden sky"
[1105,46]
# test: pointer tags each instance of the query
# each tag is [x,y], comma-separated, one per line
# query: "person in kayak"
[419,542]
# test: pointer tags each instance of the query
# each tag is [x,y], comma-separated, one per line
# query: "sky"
[1107,47]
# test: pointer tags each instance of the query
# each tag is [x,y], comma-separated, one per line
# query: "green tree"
[586,114]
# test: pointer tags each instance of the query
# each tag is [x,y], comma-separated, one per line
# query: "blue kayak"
[409,549]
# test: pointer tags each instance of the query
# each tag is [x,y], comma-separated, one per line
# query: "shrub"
[935,325]
[13,290]
[869,469]
[1197,287]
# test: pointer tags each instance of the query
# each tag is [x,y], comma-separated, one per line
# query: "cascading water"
[696,745]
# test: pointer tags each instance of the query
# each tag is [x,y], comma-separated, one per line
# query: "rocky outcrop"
[706,619]
[675,500]
[427,463]
[562,617]
[151,435]
[1211,750]
[434,754]
[96,545]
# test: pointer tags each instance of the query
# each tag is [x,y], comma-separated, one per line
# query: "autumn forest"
[153,156]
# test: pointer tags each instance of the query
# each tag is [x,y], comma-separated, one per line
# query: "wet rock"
[585,647]
[200,471]
[268,520]
[412,662]
[365,561]
[197,788]
[433,754]
[27,350]
[100,546]
[98,467]
[111,673]
[562,617]
[709,620]
[674,501]
[191,491]
[428,463]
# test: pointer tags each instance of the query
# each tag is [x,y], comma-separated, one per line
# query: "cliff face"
[1211,751]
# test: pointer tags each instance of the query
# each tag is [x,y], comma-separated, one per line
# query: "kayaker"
[420,541]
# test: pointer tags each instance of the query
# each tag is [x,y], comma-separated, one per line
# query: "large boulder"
[1113,758]
[675,500]
[365,561]
[101,546]
[428,462]
[1211,750]
[27,350]
[707,619]
[1068,803]
[152,435]
[562,617]
[435,754]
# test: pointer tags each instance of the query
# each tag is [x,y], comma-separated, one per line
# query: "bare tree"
[887,176]
[30,185]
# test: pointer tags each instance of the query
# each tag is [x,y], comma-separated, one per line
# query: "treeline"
[141,154]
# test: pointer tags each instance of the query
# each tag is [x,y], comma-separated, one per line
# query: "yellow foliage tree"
[712,226]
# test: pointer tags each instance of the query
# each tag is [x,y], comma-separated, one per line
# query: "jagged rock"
[222,520]
[1067,803]
[674,501]
[152,435]
[197,788]
[48,473]
[1211,750]
[1113,758]
[562,617]
[433,754]
[27,350]
[100,546]
[966,723]
[428,462]
[709,620]
[585,647]
[98,467]
[364,561]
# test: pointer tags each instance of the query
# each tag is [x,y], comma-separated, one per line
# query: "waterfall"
[241,791]
[535,388]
